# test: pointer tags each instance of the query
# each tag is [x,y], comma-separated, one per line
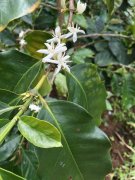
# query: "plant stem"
[40,83]
[71,12]
[23,109]
[61,16]
[105,35]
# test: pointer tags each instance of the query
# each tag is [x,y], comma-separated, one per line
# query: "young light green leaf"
[40,133]
[61,85]
[7,175]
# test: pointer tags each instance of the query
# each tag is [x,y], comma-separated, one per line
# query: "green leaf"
[12,9]
[131,2]
[110,5]
[105,58]
[28,78]
[29,164]
[7,96]
[13,64]
[80,55]
[35,41]
[117,4]
[6,129]
[119,51]
[123,85]
[10,145]
[7,175]
[80,20]
[5,108]
[85,152]
[61,85]
[40,133]
[87,89]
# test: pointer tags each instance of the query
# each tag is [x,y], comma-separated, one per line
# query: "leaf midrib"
[68,148]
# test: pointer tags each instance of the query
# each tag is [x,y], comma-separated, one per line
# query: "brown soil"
[119,135]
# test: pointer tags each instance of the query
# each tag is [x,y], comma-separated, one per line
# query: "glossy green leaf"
[13,9]
[40,133]
[35,41]
[80,55]
[7,175]
[5,108]
[6,129]
[9,146]
[85,152]
[87,89]
[28,78]
[13,64]
[29,164]
[80,20]
[7,96]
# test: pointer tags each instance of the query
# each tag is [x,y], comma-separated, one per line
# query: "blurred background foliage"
[109,43]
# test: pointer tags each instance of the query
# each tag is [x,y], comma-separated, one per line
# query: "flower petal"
[44,51]
[74,37]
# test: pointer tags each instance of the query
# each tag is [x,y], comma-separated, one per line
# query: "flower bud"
[81,7]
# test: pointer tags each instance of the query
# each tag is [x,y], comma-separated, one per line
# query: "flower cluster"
[56,49]
[22,42]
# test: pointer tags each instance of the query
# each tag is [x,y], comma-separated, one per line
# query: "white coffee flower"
[21,34]
[74,31]
[61,62]
[57,36]
[81,7]
[22,42]
[52,50]
[34,108]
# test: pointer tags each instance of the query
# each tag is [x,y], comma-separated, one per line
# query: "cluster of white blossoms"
[22,42]
[56,49]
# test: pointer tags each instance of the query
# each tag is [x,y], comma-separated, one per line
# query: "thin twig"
[61,15]
[71,11]
[124,143]
[105,35]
